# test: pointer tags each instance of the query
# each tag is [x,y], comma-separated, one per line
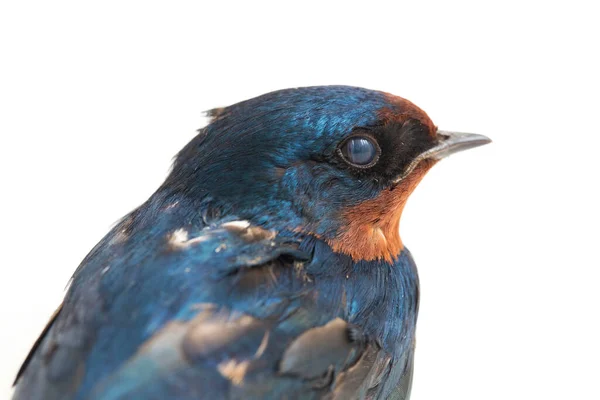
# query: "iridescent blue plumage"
[262,268]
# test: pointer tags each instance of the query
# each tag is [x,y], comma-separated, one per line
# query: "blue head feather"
[272,159]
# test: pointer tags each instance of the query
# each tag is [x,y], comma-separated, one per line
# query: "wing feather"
[226,311]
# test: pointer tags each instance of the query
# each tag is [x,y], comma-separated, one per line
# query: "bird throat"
[371,229]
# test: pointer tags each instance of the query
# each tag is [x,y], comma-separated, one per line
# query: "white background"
[96,99]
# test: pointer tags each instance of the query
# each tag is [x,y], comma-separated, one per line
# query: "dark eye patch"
[396,144]
[360,151]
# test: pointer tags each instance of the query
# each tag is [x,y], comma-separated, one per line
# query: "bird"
[268,265]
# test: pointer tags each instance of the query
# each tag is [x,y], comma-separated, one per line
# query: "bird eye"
[360,151]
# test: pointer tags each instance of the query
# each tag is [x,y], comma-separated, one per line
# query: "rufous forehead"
[403,109]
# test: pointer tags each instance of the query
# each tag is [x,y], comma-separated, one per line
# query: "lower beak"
[447,143]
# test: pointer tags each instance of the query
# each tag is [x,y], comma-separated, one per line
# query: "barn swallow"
[268,265]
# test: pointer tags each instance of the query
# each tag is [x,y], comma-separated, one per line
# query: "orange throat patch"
[372,229]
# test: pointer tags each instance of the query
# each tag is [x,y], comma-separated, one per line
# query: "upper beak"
[448,143]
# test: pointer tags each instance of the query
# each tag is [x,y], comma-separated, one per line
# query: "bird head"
[334,162]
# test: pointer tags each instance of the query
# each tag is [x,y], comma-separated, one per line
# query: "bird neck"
[380,296]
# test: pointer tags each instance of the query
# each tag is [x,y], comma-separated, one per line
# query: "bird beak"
[447,143]
[453,142]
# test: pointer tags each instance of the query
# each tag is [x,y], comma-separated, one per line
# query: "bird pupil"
[360,151]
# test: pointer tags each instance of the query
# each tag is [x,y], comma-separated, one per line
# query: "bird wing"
[226,311]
